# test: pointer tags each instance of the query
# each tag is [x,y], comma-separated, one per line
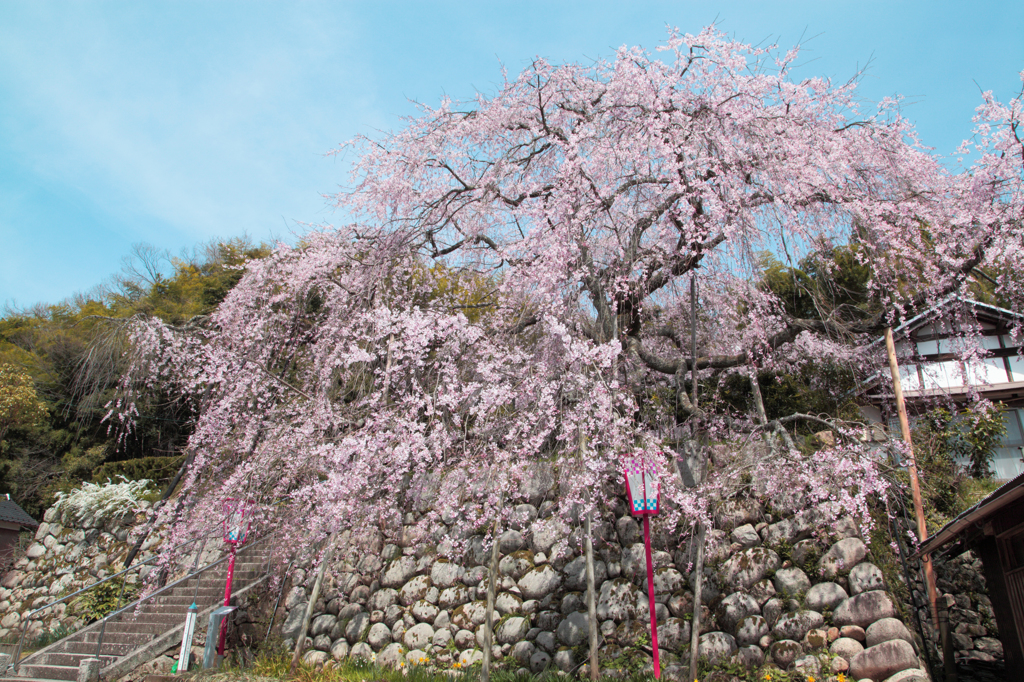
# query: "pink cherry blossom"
[346,378]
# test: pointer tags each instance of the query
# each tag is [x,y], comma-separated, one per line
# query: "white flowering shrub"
[102,500]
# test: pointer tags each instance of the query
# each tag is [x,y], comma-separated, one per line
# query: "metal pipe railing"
[280,594]
[136,567]
[103,627]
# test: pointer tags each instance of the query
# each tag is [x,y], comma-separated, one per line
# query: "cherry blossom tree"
[516,283]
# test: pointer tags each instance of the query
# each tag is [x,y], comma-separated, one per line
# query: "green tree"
[72,353]
[832,279]
[940,440]
[19,404]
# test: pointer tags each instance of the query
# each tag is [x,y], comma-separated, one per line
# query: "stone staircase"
[137,635]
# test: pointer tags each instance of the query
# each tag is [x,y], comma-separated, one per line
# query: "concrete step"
[133,630]
[154,606]
[217,583]
[141,625]
[204,592]
[64,660]
[183,601]
[168,619]
[109,648]
[247,563]
[112,637]
[215,591]
[179,603]
[49,672]
[255,564]
[137,628]
[211,592]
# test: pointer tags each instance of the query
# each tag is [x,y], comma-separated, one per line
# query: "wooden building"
[13,519]
[931,348]
[994,530]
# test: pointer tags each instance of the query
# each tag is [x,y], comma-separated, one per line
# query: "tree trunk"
[312,603]
[591,599]
[492,586]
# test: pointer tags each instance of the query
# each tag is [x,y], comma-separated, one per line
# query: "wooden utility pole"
[698,477]
[311,604]
[588,551]
[915,485]
[492,588]
[591,602]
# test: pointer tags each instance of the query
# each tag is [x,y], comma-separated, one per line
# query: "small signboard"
[186,638]
[236,521]
[643,493]
[641,487]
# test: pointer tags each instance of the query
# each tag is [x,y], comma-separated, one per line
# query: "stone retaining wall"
[962,589]
[69,554]
[779,593]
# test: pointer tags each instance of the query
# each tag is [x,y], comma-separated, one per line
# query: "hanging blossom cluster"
[331,380]
[516,291]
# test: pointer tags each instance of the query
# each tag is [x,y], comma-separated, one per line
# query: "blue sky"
[173,123]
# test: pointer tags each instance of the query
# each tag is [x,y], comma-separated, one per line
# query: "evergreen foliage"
[942,439]
[59,364]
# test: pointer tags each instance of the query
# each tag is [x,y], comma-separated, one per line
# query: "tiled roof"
[12,513]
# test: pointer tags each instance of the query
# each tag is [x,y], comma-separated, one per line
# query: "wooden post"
[591,600]
[492,587]
[650,598]
[915,485]
[312,603]
[588,551]
[698,563]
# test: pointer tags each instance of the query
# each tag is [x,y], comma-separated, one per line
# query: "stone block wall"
[68,554]
[960,580]
[779,592]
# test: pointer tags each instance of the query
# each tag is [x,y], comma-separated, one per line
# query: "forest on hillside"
[60,364]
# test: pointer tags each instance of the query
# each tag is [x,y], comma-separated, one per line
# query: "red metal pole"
[227,600]
[650,597]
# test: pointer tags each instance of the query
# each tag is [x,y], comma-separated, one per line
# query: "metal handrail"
[25,622]
[103,627]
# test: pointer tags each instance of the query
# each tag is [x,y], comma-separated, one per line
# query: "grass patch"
[273,667]
[104,599]
[49,637]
